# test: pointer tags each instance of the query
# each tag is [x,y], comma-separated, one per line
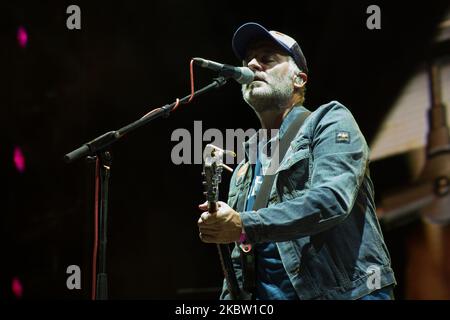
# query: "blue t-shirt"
[272,281]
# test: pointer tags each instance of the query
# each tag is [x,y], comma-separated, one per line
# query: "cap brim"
[247,34]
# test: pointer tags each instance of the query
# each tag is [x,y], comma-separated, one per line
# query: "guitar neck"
[212,206]
[212,177]
[225,261]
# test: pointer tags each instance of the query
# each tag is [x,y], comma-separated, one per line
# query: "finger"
[221,204]
[210,227]
[203,206]
[206,238]
[209,232]
[208,218]
[203,218]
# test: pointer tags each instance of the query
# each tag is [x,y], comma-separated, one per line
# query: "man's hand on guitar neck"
[222,226]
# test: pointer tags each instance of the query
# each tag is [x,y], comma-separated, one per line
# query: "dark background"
[69,86]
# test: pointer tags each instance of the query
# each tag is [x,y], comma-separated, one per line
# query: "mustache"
[258,76]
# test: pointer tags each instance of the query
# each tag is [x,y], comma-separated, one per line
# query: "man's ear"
[300,80]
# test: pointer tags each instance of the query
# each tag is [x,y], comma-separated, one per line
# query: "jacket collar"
[260,137]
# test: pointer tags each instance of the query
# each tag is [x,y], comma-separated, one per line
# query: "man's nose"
[254,65]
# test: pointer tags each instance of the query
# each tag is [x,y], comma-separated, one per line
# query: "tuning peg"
[226,167]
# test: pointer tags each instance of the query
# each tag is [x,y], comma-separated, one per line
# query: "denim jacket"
[321,210]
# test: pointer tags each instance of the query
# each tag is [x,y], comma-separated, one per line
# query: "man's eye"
[246,62]
[261,59]
[266,59]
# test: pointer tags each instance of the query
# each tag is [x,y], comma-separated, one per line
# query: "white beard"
[262,96]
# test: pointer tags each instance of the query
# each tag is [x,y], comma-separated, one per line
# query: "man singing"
[317,237]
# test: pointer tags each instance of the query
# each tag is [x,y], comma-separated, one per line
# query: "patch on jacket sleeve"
[342,137]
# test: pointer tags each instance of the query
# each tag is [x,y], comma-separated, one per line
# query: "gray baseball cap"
[251,31]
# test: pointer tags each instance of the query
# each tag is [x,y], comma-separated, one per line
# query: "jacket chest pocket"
[235,197]
[293,174]
[238,189]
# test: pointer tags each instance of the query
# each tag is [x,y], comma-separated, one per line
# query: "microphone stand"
[98,148]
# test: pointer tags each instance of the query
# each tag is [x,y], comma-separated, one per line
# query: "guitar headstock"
[212,173]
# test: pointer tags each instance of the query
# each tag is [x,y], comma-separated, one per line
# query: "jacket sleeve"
[340,157]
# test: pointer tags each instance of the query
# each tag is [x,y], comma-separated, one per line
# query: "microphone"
[242,75]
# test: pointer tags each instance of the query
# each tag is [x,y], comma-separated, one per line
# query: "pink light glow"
[17,288]
[19,160]
[22,37]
